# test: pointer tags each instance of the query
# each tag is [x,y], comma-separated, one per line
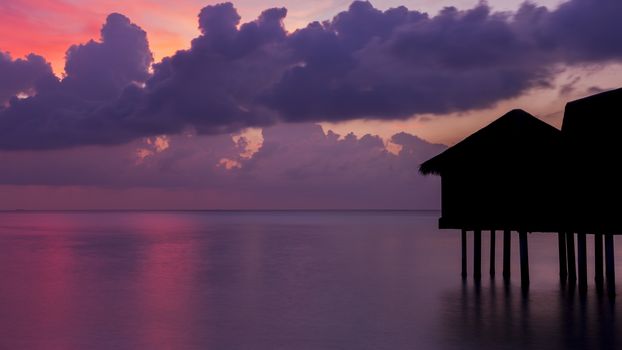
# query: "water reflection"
[501,316]
[332,280]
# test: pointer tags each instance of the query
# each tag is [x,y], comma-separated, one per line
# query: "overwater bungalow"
[521,174]
[503,177]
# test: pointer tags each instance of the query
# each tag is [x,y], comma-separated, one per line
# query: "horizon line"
[215,210]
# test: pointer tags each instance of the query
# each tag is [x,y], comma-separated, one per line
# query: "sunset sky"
[154,104]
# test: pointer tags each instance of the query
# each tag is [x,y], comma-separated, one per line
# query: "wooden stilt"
[524,258]
[582,261]
[563,271]
[572,269]
[477,254]
[610,265]
[598,260]
[464,254]
[507,243]
[492,253]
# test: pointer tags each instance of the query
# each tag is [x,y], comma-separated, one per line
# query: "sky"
[153,104]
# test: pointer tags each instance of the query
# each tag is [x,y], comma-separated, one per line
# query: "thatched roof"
[514,137]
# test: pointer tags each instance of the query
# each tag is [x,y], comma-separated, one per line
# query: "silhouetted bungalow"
[521,174]
[592,131]
[503,177]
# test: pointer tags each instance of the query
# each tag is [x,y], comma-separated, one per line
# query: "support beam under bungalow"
[477,254]
[507,245]
[563,270]
[492,253]
[524,259]
[464,254]
[598,261]
[610,265]
[582,261]
[572,268]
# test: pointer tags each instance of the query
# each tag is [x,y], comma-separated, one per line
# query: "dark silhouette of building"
[521,174]
[593,189]
[504,176]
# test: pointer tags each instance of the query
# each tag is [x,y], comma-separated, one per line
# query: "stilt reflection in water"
[499,316]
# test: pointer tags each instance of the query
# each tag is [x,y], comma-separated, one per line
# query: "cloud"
[22,76]
[407,63]
[297,166]
[585,30]
[93,103]
[101,70]
[212,87]
[301,166]
[364,63]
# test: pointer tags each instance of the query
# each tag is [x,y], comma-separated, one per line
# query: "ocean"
[279,280]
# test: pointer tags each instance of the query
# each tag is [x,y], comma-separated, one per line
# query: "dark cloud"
[406,63]
[95,101]
[586,30]
[364,63]
[22,76]
[212,86]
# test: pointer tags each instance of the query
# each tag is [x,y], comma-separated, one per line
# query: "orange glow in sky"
[50,27]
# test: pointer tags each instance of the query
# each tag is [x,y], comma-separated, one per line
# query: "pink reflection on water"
[166,280]
[38,290]
[275,281]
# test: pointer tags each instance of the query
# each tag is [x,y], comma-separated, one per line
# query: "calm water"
[275,280]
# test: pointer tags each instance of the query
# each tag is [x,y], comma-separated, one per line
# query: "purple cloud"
[405,63]
[93,104]
[212,87]
[101,70]
[585,30]
[22,76]
[364,63]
